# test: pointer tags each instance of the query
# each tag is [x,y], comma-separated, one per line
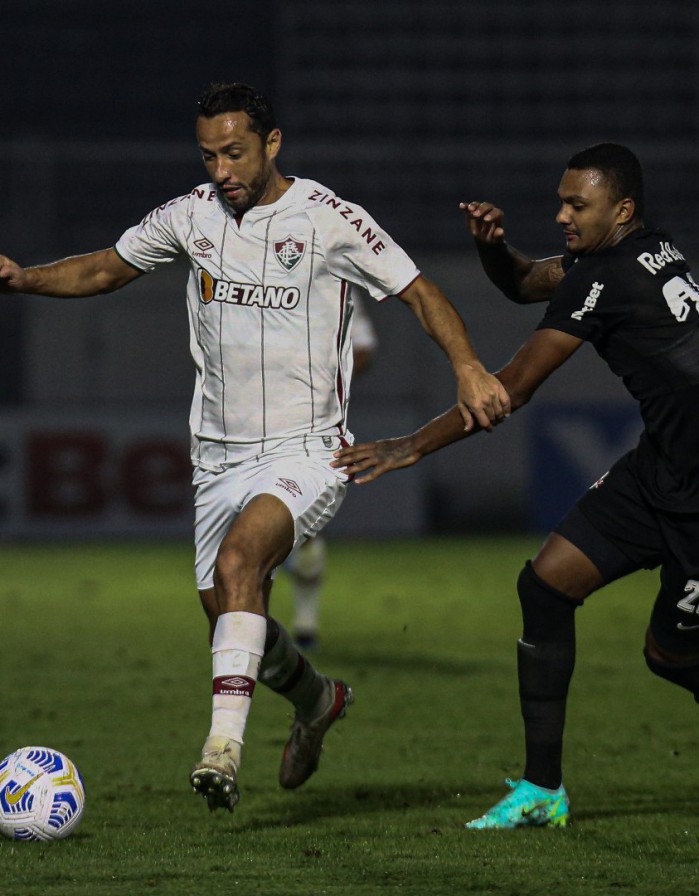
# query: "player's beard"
[251,193]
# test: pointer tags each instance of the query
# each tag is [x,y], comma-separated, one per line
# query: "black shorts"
[615,526]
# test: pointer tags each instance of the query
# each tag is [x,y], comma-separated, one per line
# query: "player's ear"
[273,143]
[627,209]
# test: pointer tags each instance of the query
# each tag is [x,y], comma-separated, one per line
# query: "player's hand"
[481,396]
[376,457]
[484,221]
[11,275]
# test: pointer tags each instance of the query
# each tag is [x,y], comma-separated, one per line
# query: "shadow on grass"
[630,809]
[304,807]
[416,663]
[349,802]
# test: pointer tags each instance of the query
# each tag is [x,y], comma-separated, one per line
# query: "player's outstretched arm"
[74,277]
[529,368]
[481,397]
[373,459]
[520,278]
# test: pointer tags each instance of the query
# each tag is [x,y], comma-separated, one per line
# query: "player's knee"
[235,568]
[230,560]
[547,614]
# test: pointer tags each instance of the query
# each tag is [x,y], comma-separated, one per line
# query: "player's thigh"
[233,515]
[305,484]
[609,533]
[309,488]
[259,537]
[218,498]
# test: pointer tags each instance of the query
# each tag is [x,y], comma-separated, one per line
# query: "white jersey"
[270,299]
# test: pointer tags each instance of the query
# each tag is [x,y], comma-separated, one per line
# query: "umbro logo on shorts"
[289,486]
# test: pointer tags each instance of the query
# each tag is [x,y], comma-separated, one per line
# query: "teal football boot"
[527,804]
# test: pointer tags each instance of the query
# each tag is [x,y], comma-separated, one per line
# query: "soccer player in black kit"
[627,290]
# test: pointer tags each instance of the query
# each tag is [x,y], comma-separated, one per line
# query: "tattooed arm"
[521,279]
[533,363]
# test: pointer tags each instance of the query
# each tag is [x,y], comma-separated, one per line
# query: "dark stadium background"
[405,108]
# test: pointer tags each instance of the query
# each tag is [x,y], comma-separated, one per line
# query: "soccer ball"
[42,796]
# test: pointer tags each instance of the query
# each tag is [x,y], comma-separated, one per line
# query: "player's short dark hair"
[620,167]
[236,97]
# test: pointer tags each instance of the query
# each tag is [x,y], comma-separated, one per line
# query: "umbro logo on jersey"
[289,486]
[203,245]
[289,252]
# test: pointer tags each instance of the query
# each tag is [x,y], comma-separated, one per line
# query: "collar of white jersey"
[259,212]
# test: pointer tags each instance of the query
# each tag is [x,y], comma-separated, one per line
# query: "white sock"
[237,649]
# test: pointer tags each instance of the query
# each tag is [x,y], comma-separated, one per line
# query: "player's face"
[238,160]
[590,218]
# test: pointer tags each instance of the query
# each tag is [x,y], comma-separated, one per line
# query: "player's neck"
[624,230]
[276,187]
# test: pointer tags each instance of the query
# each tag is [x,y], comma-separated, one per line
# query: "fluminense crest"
[289,252]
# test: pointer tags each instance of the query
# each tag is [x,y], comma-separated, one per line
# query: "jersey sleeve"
[580,304]
[357,249]
[154,241]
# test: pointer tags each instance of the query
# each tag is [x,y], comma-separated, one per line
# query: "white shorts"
[303,480]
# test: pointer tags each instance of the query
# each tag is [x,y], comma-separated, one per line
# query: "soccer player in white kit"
[274,261]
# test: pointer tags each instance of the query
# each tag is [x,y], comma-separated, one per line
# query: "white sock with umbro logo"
[237,649]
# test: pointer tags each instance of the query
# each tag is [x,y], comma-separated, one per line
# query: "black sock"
[544,672]
[545,663]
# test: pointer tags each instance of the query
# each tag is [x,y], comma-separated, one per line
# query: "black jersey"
[639,306]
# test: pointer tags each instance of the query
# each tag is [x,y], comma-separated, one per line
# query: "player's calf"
[545,662]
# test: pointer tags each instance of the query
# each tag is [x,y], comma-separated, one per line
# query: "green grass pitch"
[104,656]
